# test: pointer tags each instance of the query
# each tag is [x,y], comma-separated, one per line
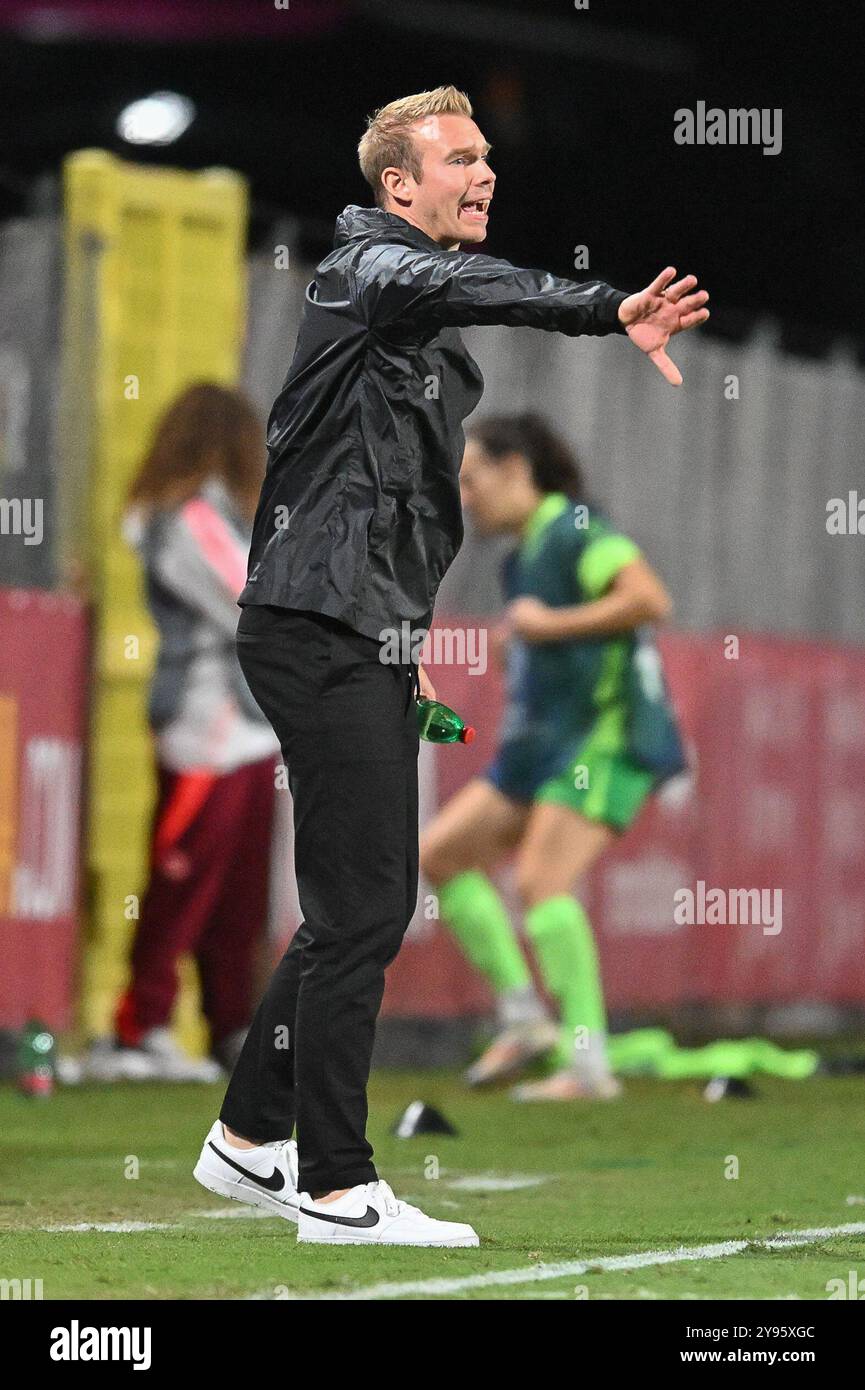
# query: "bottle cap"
[467,734]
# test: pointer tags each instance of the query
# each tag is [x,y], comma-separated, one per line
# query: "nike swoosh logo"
[274,1182]
[370,1218]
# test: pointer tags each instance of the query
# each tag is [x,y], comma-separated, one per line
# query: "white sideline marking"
[235,1213]
[536,1273]
[115,1227]
[490,1183]
[133,1227]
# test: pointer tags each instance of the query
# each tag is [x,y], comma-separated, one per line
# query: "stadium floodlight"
[159,119]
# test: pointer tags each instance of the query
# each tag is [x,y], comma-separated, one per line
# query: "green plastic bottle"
[438,724]
[37,1059]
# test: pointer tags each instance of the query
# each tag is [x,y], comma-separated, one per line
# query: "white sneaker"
[265,1176]
[370,1214]
[105,1061]
[568,1085]
[169,1062]
[513,1049]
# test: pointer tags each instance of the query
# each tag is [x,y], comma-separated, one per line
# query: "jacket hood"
[356,223]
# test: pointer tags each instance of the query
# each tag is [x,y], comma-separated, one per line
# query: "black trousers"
[347,728]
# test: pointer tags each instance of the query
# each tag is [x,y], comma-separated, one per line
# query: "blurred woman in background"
[190,516]
[588,737]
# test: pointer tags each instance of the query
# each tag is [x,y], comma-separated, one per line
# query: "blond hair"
[387,142]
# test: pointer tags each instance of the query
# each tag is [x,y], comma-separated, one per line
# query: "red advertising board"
[43,640]
[774,814]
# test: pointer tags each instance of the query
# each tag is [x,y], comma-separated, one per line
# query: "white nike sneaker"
[265,1176]
[169,1062]
[370,1214]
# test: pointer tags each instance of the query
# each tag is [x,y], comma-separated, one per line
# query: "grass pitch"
[566,1198]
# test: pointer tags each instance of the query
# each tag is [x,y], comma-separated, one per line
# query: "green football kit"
[588,724]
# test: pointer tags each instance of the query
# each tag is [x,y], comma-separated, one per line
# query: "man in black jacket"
[359,518]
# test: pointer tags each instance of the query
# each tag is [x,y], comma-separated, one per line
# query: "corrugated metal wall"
[29,336]
[728,496]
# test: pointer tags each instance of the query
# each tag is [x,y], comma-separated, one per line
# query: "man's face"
[450,203]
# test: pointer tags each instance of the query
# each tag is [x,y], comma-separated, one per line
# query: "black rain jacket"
[359,515]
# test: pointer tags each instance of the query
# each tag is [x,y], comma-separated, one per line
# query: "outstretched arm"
[401,290]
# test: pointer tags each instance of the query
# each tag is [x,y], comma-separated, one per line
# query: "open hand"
[655,314]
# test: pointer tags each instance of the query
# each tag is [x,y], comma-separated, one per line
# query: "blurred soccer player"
[190,518]
[359,518]
[588,735]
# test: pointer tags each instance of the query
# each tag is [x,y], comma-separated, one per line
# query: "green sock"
[639,1052]
[735,1057]
[794,1065]
[713,1059]
[653,1052]
[480,922]
[568,960]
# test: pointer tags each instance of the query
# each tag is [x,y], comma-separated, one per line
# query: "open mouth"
[475,211]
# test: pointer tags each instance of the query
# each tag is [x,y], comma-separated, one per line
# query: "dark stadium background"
[555,89]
